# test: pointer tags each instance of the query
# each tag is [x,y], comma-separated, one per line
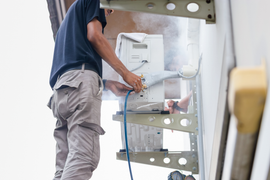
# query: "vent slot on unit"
[136,57]
[139,46]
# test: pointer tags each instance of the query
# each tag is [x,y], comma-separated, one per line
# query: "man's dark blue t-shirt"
[72,47]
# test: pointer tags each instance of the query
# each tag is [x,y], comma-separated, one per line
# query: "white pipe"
[156,77]
[193,35]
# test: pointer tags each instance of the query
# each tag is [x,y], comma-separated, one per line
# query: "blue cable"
[125,127]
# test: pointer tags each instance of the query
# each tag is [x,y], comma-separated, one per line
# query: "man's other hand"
[170,108]
[118,88]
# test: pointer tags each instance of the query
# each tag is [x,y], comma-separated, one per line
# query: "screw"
[194,168]
[209,16]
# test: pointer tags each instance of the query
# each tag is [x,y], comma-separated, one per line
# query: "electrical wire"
[143,62]
[125,127]
[190,77]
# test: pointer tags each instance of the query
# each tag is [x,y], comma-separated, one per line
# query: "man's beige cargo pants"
[76,104]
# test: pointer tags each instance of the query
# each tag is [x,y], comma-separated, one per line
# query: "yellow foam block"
[247,94]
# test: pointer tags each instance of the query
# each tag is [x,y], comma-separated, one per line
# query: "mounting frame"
[175,123]
[199,9]
[158,120]
[165,159]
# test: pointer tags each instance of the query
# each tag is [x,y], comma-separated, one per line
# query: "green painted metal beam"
[182,8]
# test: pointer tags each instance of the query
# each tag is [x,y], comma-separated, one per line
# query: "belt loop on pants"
[83,67]
[101,86]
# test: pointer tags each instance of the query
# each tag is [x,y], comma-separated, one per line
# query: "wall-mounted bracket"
[167,121]
[178,122]
[193,142]
[200,9]
[182,160]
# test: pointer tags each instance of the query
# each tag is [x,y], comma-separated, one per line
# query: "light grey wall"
[218,58]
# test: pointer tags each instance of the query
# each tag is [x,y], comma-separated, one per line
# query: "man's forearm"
[104,49]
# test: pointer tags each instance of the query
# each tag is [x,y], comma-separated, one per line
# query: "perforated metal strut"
[157,120]
[205,9]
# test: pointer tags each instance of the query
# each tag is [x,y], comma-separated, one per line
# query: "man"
[76,80]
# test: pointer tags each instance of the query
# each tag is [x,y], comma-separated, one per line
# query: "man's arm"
[104,49]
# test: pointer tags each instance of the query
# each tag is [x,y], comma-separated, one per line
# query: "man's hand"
[104,49]
[117,88]
[171,109]
[133,80]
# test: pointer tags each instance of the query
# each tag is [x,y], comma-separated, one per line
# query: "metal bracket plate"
[167,121]
[182,160]
[193,142]
[157,120]
[206,8]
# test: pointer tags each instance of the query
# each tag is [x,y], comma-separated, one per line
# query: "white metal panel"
[261,162]
[231,140]
[132,55]
[218,58]
[143,138]
[251,29]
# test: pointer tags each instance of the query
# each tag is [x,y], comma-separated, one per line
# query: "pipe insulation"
[151,79]
[156,77]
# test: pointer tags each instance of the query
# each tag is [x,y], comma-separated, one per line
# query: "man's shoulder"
[85,5]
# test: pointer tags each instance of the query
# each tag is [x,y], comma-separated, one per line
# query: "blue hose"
[125,127]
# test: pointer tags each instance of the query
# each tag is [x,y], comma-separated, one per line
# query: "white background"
[27,145]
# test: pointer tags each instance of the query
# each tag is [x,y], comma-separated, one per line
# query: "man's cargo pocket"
[67,97]
[88,142]
[93,127]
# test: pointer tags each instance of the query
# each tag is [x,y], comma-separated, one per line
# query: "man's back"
[71,45]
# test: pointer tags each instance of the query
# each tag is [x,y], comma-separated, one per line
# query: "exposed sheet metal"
[206,9]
